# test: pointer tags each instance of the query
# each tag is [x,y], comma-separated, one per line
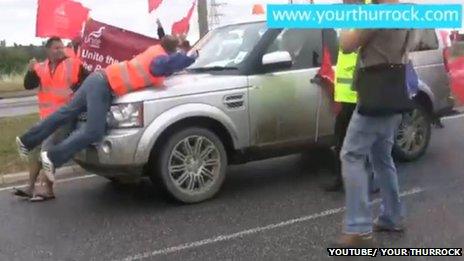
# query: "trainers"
[23,151]
[354,241]
[48,166]
[384,228]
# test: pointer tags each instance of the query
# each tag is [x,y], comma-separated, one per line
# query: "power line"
[214,15]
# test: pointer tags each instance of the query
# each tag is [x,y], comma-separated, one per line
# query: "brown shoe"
[383,228]
[354,241]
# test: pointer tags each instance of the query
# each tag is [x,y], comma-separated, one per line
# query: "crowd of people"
[66,89]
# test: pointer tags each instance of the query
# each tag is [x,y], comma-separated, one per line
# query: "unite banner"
[103,44]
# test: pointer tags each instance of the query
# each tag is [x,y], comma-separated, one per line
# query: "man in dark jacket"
[42,76]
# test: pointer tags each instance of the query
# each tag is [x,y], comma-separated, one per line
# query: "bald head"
[170,43]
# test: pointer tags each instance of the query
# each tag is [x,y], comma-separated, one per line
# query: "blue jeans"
[341,127]
[373,138]
[94,96]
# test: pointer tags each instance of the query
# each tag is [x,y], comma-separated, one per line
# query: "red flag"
[326,71]
[327,74]
[182,26]
[456,72]
[63,18]
[153,4]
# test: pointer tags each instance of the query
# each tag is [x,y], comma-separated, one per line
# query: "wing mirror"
[277,60]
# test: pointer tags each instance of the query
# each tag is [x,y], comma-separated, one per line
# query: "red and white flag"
[63,18]
[183,25]
[153,5]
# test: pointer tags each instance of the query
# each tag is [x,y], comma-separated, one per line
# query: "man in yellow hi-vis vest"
[344,94]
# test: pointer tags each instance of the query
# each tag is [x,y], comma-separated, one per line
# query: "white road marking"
[58,181]
[457,116]
[243,233]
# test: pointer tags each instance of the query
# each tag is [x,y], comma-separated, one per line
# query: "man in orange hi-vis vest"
[146,70]
[57,78]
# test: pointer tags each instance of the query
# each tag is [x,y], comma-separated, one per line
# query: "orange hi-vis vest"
[134,75]
[55,88]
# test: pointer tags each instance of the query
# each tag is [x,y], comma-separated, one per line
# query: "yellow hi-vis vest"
[346,66]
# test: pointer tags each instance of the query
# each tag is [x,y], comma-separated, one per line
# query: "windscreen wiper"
[212,68]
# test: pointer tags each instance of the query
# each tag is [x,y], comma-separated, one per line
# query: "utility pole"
[214,14]
[203,17]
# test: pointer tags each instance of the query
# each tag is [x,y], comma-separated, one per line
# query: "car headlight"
[126,115]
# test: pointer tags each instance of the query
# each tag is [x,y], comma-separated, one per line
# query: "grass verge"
[12,86]
[10,128]
[11,83]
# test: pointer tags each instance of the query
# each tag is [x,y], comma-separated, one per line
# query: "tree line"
[14,59]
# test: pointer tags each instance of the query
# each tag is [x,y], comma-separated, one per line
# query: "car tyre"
[413,135]
[191,165]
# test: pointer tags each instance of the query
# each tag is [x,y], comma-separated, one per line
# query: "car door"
[283,102]
[428,60]
[327,107]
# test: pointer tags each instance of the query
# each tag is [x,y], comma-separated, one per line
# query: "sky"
[17,17]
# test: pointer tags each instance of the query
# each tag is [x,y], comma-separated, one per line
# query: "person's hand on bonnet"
[193,54]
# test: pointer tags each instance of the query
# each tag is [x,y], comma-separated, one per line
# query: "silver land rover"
[252,94]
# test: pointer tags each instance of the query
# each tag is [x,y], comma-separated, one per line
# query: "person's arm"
[351,41]
[83,73]
[31,80]
[161,32]
[166,65]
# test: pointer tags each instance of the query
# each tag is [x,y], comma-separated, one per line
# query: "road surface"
[268,210]
[18,106]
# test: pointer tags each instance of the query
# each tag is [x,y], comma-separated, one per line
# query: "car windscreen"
[228,46]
